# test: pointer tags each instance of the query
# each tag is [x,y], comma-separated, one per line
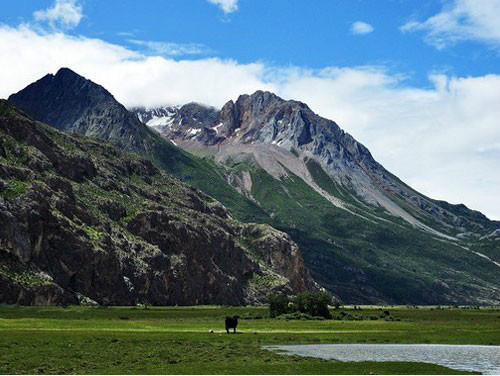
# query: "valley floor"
[178,340]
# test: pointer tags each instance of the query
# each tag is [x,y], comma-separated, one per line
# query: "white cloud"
[134,78]
[361,28]
[443,141]
[65,14]
[461,20]
[172,49]
[227,6]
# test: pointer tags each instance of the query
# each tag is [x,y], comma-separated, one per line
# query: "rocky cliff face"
[81,221]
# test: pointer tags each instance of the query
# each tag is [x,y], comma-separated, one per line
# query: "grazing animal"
[231,323]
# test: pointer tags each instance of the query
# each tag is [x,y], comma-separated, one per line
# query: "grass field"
[135,340]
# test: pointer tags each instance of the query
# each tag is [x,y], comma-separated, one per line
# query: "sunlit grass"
[180,339]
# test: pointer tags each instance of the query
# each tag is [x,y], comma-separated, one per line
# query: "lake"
[484,359]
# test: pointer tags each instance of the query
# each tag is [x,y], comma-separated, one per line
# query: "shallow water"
[484,359]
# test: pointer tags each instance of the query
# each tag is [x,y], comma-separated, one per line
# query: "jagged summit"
[68,90]
[281,135]
[261,98]
[63,74]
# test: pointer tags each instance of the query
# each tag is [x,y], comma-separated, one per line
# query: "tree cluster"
[314,304]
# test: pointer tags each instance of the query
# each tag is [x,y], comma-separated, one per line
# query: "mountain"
[193,116]
[364,235]
[283,135]
[73,104]
[82,221]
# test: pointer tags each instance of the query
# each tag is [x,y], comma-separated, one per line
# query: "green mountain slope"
[376,260]
[366,235]
[204,174]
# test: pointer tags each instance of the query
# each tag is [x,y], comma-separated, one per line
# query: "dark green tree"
[278,305]
[314,304]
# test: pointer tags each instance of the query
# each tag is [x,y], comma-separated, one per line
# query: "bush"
[314,304]
[353,317]
[278,305]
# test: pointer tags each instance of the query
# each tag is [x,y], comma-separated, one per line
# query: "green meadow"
[192,340]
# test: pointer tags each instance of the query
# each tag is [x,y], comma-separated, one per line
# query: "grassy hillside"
[205,175]
[370,260]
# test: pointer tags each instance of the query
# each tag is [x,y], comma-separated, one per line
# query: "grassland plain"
[178,340]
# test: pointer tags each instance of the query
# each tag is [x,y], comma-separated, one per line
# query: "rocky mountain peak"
[198,115]
[251,114]
[265,101]
[66,92]
[261,103]
[63,77]
[67,75]
[259,99]
[72,103]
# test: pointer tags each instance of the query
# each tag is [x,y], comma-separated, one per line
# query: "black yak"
[231,323]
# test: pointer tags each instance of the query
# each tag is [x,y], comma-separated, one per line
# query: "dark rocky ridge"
[71,103]
[81,220]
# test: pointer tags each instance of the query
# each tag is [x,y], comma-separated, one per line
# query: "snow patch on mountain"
[160,121]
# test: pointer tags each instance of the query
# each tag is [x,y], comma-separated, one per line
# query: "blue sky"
[417,82]
[281,32]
